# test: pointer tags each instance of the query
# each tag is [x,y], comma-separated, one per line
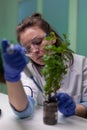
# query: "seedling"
[57,60]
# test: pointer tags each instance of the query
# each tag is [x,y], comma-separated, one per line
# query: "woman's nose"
[35,48]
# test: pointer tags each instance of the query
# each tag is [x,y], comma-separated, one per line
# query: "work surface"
[8,121]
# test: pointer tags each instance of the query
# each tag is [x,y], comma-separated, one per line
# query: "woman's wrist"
[81,110]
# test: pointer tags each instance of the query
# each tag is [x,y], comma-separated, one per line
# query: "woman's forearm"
[81,110]
[17,95]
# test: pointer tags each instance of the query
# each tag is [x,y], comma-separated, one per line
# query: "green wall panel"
[26,8]
[56,13]
[8,19]
[82,28]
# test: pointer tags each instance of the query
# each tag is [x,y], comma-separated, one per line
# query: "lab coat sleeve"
[29,87]
[84,84]
[31,92]
[84,104]
[84,81]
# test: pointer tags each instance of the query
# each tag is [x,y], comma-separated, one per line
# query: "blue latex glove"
[13,63]
[66,105]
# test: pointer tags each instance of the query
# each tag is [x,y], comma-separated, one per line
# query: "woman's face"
[33,39]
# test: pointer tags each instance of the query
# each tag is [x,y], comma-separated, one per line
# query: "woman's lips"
[39,57]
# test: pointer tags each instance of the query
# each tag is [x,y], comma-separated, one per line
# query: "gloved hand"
[66,105]
[13,63]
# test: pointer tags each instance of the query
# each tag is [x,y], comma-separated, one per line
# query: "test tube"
[0,111]
[10,49]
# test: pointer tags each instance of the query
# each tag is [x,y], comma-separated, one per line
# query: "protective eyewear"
[36,42]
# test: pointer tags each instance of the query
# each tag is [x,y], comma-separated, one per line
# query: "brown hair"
[35,20]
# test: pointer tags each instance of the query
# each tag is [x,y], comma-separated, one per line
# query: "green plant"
[57,60]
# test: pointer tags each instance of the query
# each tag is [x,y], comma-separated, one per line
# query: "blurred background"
[65,16]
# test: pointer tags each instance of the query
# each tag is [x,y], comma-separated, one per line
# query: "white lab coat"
[74,82]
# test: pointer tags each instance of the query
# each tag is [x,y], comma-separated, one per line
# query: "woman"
[24,79]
